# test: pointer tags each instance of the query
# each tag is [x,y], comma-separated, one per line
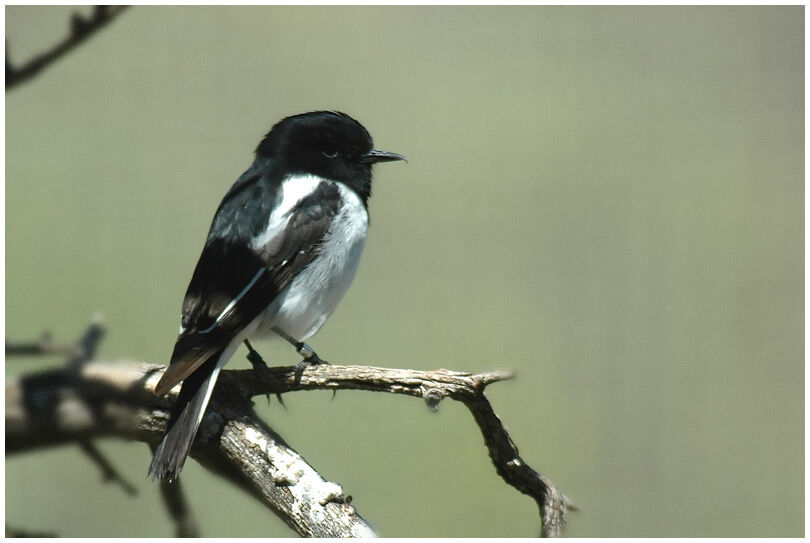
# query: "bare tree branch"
[108,471]
[16,532]
[116,399]
[172,491]
[87,345]
[41,347]
[81,28]
[432,386]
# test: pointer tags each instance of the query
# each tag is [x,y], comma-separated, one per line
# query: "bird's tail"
[185,418]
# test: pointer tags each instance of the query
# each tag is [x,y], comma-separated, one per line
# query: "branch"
[108,471]
[81,29]
[42,346]
[16,532]
[172,491]
[432,386]
[117,399]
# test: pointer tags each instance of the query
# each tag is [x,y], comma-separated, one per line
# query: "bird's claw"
[259,364]
[310,359]
[256,360]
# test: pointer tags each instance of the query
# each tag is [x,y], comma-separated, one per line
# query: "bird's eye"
[330,154]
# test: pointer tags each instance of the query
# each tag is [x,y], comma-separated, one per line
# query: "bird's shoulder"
[246,207]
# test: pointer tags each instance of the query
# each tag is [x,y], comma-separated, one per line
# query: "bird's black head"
[329,144]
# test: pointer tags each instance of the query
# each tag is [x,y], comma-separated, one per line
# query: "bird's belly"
[302,308]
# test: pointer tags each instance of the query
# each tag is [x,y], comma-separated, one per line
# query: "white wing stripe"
[234,301]
[293,190]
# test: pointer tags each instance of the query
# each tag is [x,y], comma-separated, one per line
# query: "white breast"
[302,308]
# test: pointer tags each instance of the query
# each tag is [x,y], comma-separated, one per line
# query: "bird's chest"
[302,308]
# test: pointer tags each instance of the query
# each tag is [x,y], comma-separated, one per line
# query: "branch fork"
[88,399]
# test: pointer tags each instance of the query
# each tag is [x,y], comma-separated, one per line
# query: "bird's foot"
[311,358]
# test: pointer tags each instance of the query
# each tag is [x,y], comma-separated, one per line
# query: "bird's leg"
[259,364]
[310,357]
[304,350]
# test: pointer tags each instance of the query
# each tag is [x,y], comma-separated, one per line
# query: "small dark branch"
[108,471]
[87,345]
[77,354]
[184,523]
[16,532]
[511,467]
[81,28]
[42,347]
[175,500]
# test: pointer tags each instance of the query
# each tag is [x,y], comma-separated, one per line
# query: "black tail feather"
[182,427]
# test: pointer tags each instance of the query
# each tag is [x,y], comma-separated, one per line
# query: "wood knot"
[432,398]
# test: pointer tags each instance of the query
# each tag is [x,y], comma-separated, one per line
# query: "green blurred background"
[607,200]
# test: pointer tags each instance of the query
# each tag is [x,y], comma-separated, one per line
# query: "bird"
[282,250]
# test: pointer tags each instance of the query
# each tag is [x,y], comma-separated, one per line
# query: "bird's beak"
[375,155]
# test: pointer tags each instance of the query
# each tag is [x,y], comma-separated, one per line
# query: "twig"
[43,346]
[108,471]
[510,466]
[77,354]
[16,532]
[86,347]
[81,29]
[184,523]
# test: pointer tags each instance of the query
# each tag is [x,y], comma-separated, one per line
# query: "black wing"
[234,282]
